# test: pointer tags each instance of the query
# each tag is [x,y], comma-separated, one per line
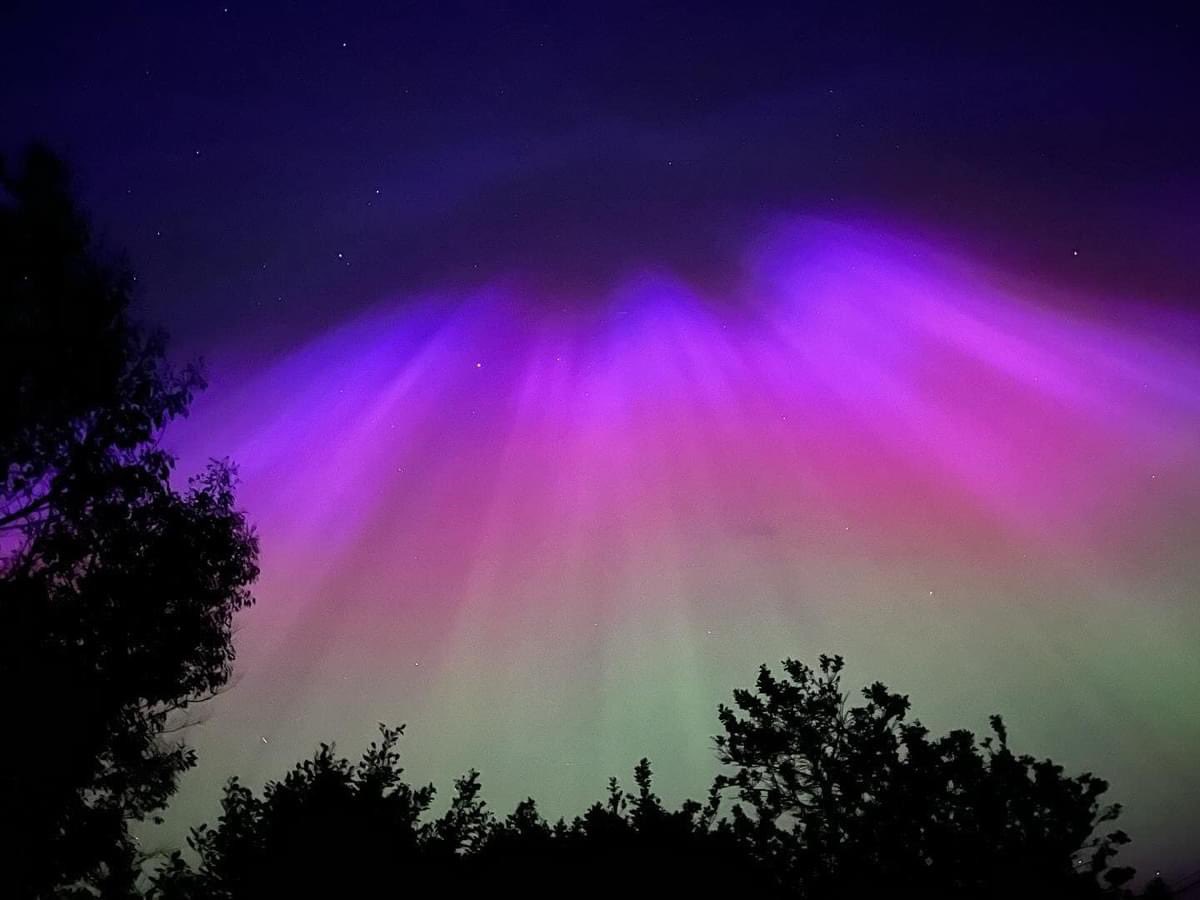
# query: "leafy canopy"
[832,800]
[854,798]
[117,591]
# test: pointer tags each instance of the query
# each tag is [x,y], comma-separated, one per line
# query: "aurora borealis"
[552,539]
[579,358]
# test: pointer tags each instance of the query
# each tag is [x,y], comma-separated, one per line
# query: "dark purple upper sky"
[272,168]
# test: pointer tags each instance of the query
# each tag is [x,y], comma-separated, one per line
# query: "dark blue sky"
[236,149]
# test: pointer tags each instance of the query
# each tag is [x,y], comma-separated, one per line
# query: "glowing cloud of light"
[552,538]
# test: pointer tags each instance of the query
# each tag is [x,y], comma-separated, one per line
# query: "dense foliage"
[117,591]
[831,800]
[335,828]
[855,800]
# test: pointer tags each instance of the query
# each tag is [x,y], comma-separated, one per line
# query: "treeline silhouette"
[117,598]
[830,799]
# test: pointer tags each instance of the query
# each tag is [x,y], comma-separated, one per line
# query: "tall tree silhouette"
[855,801]
[117,591]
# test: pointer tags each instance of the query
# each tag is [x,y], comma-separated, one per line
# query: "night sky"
[580,358]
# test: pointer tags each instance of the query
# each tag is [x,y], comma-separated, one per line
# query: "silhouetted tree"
[629,844]
[336,828]
[835,800]
[116,590]
[328,828]
[855,801]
